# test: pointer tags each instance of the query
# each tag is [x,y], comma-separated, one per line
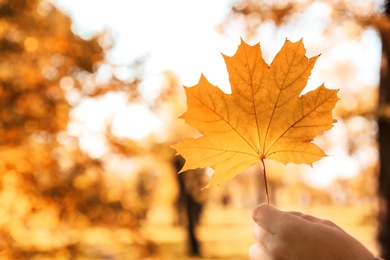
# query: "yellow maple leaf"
[265,116]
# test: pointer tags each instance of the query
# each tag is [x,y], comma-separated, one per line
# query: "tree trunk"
[191,207]
[384,142]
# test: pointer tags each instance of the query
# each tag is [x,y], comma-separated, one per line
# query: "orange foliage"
[264,117]
[53,201]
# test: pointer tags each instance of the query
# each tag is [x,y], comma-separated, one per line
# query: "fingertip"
[267,217]
[252,250]
[262,210]
[257,210]
[257,252]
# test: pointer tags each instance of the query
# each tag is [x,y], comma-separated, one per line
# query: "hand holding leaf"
[264,117]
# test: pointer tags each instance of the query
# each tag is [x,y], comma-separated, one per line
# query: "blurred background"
[90,94]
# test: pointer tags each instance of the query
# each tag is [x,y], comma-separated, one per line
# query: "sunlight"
[93,101]
[135,122]
[92,117]
[184,41]
[189,46]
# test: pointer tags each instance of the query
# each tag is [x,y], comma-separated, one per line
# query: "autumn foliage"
[53,196]
[265,116]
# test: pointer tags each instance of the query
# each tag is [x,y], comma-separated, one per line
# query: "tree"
[384,137]
[53,195]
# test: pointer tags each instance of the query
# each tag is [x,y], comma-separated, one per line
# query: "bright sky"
[181,36]
[174,34]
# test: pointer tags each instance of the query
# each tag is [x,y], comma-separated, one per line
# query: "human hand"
[293,235]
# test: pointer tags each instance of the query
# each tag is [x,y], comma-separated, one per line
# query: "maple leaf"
[264,117]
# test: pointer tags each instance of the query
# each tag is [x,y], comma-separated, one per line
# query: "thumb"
[267,217]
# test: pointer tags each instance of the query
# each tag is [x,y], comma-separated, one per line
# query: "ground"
[226,233]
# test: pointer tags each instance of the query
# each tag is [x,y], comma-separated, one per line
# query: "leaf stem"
[265,180]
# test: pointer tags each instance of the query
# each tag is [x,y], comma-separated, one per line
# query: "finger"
[305,217]
[315,219]
[262,236]
[258,252]
[267,217]
[267,240]
[296,213]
